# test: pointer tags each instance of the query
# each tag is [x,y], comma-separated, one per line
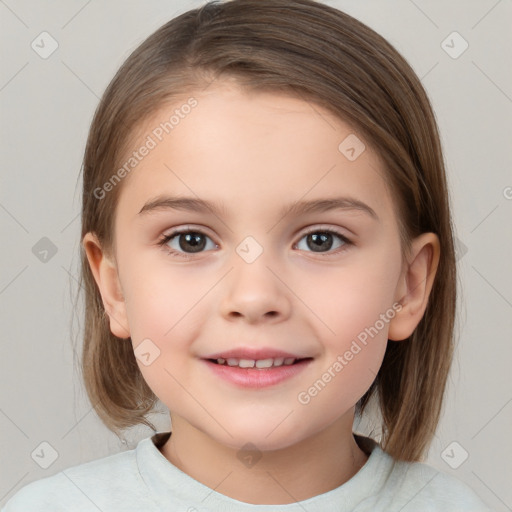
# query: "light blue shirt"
[143,480]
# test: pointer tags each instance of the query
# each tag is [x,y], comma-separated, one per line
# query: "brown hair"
[322,55]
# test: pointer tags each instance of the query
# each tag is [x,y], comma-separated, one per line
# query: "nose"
[253,293]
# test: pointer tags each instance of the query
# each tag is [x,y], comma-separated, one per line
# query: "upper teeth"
[258,363]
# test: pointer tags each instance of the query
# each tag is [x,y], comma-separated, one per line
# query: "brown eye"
[186,242]
[319,241]
[322,241]
[194,241]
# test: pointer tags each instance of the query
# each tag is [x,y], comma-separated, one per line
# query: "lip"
[257,378]
[253,353]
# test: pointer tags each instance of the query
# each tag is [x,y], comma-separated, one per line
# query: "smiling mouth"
[257,374]
[259,364]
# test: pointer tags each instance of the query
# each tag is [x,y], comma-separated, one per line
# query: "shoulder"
[96,485]
[418,487]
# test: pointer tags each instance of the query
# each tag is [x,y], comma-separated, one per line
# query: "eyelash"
[187,256]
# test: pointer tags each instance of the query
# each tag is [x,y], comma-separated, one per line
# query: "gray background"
[47,106]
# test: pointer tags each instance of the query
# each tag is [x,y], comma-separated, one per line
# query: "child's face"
[256,154]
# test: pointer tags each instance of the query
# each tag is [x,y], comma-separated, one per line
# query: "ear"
[414,286]
[106,277]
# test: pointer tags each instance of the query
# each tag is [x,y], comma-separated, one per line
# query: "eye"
[184,242]
[323,240]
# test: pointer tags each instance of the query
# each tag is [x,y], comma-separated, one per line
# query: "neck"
[275,477]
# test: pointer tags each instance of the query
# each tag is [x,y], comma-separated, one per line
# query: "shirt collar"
[169,486]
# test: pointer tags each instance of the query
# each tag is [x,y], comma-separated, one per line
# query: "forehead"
[236,146]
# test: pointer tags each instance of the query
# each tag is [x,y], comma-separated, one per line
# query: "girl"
[267,250]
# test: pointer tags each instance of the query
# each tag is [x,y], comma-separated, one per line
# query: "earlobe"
[415,285]
[105,274]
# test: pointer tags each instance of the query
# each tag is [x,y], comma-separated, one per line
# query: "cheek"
[351,299]
[160,302]
[165,308]
[355,308]
[353,354]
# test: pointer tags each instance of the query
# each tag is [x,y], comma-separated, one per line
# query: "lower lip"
[257,377]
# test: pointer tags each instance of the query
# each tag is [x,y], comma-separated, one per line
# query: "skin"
[256,152]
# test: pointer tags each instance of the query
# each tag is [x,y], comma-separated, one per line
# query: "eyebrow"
[299,207]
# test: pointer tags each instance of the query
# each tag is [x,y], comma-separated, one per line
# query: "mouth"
[259,364]
[257,373]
